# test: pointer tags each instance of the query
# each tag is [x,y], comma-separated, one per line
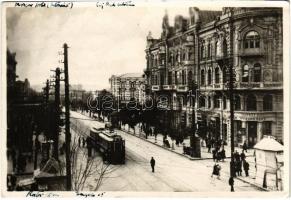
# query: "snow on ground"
[173,173]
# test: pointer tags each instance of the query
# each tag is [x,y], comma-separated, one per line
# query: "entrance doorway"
[252,133]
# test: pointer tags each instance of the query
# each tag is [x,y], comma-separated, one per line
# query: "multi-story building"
[197,52]
[128,86]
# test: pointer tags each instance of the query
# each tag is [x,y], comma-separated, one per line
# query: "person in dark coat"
[231,183]
[153,162]
[245,146]
[236,156]
[238,167]
[209,146]
[223,154]
[242,156]
[246,167]
[216,170]
[214,155]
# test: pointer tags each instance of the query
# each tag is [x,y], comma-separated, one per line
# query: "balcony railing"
[243,85]
[188,62]
[155,87]
[251,52]
[182,88]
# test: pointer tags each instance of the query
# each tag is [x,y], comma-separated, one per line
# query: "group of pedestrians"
[240,162]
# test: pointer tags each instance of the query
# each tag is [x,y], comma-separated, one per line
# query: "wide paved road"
[173,173]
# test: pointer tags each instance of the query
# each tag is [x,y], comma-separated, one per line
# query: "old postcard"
[145,99]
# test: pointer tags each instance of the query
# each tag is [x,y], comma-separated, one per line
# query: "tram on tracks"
[109,144]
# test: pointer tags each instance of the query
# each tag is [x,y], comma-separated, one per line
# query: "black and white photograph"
[144,99]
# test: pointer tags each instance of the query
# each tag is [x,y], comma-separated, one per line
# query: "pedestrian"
[209,146]
[153,162]
[245,146]
[242,156]
[246,167]
[236,156]
[214,155]
[223,154]
[231,183]
[238,167]
[216,170]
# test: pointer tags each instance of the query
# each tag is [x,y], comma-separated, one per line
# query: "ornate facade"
[196,54]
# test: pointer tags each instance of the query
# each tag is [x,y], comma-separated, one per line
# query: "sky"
[102,42]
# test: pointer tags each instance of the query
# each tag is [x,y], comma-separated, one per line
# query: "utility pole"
[57,114]
[67,123]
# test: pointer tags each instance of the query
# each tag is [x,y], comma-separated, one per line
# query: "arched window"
[237,104]
[217,75]
[245,73]
[209,102]
[216,101]
[209,77]
[251,102]
[202,77]
[190,77]
[257,72]
[216,49]
[252,40]
[202,51]
[201,101]
[268,103]
[209,50]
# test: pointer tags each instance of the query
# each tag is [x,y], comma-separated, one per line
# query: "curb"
[252,184]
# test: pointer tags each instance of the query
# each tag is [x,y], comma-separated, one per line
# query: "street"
[173,173]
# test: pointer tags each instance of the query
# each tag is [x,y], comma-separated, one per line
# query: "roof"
[131,75]
[207,16]
[268,143]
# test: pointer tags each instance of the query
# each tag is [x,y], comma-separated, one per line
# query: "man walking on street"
[231,183]
[153,162]
[246,167]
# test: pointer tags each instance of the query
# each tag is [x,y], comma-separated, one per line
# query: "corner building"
[199,50]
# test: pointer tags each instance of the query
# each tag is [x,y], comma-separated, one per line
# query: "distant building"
[128,86]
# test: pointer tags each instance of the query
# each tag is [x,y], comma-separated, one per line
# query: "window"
[245,73]
[209,102]
[267,128]
[183,77]
[224,75]
[216,101]
[224,48]
[170,78]
[252,40]
[209,50]
[237,104]
[202,77]
[190,77]
[216,75]
[202,51]
[268,103]
[251,102]
[257,72]
[224,102]
[209,77]
[176,77]
[201,101]
[217,49]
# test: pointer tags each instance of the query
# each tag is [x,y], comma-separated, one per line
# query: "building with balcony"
[200,49]
[128,86]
